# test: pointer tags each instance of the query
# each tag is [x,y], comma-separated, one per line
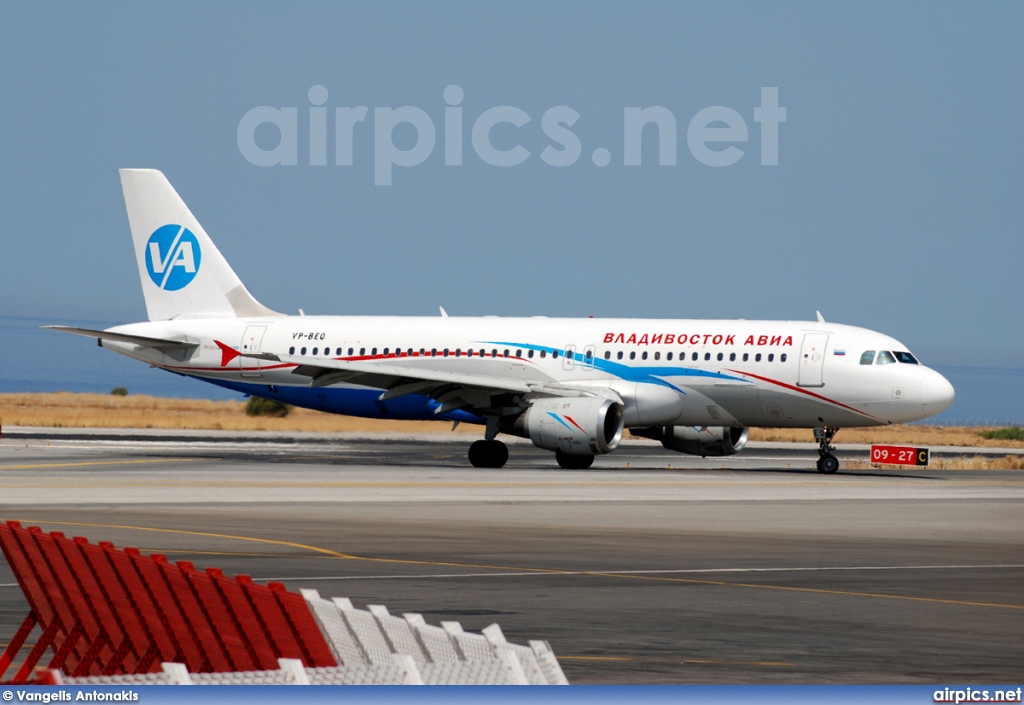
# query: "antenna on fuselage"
[444,314]
[821,319]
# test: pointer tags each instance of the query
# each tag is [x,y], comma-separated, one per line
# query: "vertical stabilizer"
[183,273]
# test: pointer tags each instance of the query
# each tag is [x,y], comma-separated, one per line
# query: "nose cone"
[936,394]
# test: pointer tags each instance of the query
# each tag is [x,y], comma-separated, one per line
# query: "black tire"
[828,464]
[499,454]
[573,462]
[488,454]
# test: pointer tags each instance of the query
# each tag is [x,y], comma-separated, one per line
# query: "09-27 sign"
[899,455]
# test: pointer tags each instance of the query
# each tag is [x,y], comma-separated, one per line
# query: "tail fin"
[183,273]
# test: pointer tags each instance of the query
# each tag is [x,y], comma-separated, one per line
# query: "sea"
[36,360]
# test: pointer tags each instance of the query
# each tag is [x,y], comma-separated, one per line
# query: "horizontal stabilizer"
[145,341]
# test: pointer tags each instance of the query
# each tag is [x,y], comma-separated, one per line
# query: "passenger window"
[867,357]
[446,352]
[618,355]
[720,356]
[669,356]
[351,350]
[506,352]
[657,356]
[530,354]
[782,357]
[494,352]
[907,358]
[885,358]
[362,351]
[771,357]
[632,356]
[386,351]
[291,350]
[746,356]
[757,358]
[372,352]
[732,357]
[303,351]
[643,356]
[707,357]
[519,353]
[315,351]
[554,354]
[607,355]
[694,358]
[543,354]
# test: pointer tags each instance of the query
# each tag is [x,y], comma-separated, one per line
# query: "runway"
[652,567]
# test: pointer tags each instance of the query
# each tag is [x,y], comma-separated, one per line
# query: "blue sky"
[896,203]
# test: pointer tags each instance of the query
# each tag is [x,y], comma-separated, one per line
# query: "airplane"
[572,386]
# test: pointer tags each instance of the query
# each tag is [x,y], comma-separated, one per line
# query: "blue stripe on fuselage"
[650,375]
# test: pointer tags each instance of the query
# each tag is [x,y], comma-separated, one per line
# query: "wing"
[451,390]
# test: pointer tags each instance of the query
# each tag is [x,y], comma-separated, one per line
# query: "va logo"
[172,257]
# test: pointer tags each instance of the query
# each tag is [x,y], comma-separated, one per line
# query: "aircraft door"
[812,360]
[588,357]
[252,339]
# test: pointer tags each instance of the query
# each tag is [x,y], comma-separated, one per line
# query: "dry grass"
[64,409]
[108,411]
[924,436]
[960,462]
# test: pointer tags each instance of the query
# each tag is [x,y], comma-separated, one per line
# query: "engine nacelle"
[709,441]
[574,425]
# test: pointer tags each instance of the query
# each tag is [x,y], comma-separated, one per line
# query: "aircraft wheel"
[828,464]
[573,462]
[488,454]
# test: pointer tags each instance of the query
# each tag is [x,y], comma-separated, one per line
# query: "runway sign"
[899,455]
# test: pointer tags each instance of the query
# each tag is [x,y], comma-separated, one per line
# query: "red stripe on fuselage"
[804,391]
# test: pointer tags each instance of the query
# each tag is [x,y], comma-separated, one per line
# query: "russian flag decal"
[839,352]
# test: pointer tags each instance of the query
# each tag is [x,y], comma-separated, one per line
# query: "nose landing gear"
[827,462]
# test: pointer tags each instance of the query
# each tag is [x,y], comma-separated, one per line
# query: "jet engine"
[573,425]
[708,441]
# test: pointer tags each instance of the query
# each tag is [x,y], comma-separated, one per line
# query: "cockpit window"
[867,357]
[907,358]
[885,358]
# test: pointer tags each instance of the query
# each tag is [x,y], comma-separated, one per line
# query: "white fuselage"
[673,372]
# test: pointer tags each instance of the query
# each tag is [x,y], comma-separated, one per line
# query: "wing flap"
[385,375]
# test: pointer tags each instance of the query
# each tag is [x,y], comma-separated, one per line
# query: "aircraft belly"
[780,408]
[740,402]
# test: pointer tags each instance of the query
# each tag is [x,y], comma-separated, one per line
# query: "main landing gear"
[827,463]
[488,454]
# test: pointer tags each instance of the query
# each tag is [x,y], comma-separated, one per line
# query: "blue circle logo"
[172,257]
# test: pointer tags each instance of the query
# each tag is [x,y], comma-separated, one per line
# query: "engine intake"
[708,441]
[575,425]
